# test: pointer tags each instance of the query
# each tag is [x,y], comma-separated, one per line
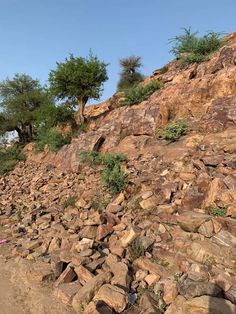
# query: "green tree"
[21,97]
[78,79]
[130,74]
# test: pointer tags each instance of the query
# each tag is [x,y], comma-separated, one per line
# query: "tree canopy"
[21,97]
[78,79]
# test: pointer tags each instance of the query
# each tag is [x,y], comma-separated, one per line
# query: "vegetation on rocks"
[190,48]
[137,94]
[136,249]
[9,157]
[130,74]
[174,130]
[112,176]
[218,211]
[70,201]
[54,139]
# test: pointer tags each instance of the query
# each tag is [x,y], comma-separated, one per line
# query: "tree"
[78,79]
[21,97]
[130,75]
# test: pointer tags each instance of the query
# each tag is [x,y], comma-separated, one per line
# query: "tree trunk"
[25,133]
[81,104]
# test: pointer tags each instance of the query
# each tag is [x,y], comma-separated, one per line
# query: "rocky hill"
[167,243]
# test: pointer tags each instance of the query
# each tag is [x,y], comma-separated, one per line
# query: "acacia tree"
[77,80]
[21,97]
[130,74]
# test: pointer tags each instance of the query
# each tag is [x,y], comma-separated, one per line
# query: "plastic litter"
[3,241]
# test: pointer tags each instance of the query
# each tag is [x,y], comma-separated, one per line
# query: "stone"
[171,290]
[128,237]
[198,272]
[89,232]
[145,264]
[207,229]
[191,221]
[201,305]
[84,244]
[147,194]
[231,294]
[149,203]
[97,308]
[66,291]
[113,296]
[151,279]
[104,230]
[88,291]
[191,289]
[67,276]
[224,238]
[40,272]
[83,273]
[148,305]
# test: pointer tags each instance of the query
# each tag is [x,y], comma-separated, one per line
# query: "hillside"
[167,243]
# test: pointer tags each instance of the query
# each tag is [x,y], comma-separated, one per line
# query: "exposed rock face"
[164,245]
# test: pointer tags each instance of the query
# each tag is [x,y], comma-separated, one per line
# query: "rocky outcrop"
[167,243]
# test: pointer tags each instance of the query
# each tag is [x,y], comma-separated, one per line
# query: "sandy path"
[10,300]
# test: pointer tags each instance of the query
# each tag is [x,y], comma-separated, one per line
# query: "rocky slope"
[164,245]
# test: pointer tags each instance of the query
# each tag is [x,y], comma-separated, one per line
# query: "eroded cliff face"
[180,202]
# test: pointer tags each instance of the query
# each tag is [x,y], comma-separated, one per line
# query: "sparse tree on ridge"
[130,74]
[78,79]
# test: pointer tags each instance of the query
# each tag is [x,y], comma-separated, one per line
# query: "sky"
[35,34]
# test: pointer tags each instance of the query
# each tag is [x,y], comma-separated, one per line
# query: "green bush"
[54,139]
[218,211]
[190,48]
[174,130]
[112,176]
[9,157]
[140,93]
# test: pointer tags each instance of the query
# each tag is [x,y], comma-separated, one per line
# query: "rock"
[224,238]
[104,230]
[89,232]
[66,291]
[198,272]
[87,292]
[147,194]
[191,289]
[40,272]
[207,229]
[191,221]
[151,279]
[113,296]
[83,273]
[67,276]
[97,308]
[201,305]
[128,237]
[119,199]
[84,244]
[145,264]
[231,294]
[171,290]
[148,305]
[149,203]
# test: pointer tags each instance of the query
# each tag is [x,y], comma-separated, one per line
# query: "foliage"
[70,201]
[52,138]
[136,249]
[130,75]
[52,115]
[78,79]
[112,175]
[190,48]
[218,211]
[21,97]
[174,130]
[138,94]
[9,157]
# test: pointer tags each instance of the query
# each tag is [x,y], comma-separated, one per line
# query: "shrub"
[190,48]
[9,157]
[138,94]
[218,211]
[100,204]
[70,201]
[112,175]
[174,130]
[130,74]
[136,249]
[54,139]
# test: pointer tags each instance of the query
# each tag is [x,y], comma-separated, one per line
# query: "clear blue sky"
[34,34]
